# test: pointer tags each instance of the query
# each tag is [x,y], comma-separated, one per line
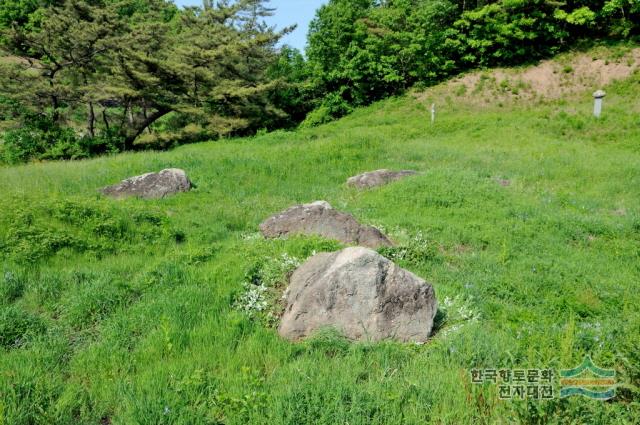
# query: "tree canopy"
[83,77]
[364,50]
[124,65]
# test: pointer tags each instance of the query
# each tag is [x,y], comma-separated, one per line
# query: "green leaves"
[18,12]
[130,74]
[366,50]
[581,16]
[506,33]
[362,51]
[110,70]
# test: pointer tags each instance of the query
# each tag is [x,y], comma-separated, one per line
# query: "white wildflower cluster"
[451,330]
[419,237]
[592,331]
[253,300]
[274,270]
[289,262]
[459,313]
[597,327]
[403,234]
[396,254]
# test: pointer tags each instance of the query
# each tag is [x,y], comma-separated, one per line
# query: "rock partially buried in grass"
[151,185]
[378,178]
[319,218]
[360,293]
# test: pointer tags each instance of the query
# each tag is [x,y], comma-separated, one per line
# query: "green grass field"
[525,217]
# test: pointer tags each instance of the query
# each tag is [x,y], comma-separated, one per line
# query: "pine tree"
[56,63]
[123,68]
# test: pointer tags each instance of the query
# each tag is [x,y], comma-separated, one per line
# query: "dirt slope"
[564,76]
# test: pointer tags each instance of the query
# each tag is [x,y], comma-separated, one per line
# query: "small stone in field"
[378,178]
[151,185]
[319,218]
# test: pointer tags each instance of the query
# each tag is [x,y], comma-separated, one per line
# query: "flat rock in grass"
[319,218]
[360,293]
[378,178]
[151,185]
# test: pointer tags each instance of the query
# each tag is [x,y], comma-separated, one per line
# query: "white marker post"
[597,107]
[433,113]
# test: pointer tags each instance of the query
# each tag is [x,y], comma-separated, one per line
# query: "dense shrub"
[508,32]
[294,94]
[333,106]
[41,138]
[38,137]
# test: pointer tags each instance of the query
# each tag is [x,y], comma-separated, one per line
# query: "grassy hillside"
[526,218]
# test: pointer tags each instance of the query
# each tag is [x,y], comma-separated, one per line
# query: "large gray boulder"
[362,294]
[151,185]
[377,178]
[319,218]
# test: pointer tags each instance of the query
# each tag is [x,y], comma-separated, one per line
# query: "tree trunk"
[55,102]
[130,115]
[123,121]
[105,119]
[91,120]
[146,115]
[138,128]
[55,105]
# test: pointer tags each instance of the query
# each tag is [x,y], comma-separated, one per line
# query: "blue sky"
[287,12]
